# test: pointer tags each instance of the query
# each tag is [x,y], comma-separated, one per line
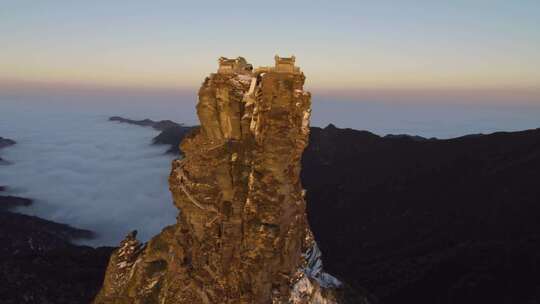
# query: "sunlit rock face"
[242,234]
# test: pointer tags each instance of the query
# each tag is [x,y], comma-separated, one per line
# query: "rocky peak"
[242,235]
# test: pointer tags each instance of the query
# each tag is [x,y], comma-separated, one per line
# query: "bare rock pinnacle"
[242,235]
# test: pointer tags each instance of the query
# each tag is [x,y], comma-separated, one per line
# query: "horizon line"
[6,83]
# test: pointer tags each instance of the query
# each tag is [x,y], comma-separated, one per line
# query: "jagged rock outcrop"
[242,234]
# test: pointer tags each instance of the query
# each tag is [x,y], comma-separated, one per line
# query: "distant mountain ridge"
[8,202]
[171,132]
[158,125]
[428,221]
[5,142]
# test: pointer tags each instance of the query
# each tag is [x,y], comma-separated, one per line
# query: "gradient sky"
[340,45]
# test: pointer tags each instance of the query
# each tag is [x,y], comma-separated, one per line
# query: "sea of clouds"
[86,171]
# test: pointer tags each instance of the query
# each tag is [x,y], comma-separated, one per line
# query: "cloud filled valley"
[85,171]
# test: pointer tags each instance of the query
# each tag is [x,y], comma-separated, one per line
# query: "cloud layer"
[88,172]
[91,173]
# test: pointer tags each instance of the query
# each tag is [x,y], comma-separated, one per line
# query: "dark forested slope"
[428,221]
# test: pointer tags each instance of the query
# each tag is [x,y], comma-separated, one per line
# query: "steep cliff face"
[242,234]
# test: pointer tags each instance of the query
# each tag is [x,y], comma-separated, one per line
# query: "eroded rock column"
[242,234]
